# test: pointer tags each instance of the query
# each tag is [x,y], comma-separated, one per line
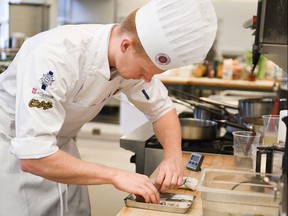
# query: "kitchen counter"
[212,161]
[219,84]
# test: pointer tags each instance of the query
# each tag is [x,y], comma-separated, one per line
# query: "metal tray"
[169,202]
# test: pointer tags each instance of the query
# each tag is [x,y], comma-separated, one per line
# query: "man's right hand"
[137,184]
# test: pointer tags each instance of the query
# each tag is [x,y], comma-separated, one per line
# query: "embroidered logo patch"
[41,94]
[162,59]
[40,104]
[47,80]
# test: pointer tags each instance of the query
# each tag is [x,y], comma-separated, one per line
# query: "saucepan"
[256,107]
[251,107]
[204,109]
[198,129]
[207,114]
[201,111]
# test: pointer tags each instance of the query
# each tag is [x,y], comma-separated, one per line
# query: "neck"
[112,47]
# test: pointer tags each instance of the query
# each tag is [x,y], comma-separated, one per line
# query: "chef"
[60,79]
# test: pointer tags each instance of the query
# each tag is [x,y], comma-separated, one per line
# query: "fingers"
[169,177]
[137,184]
[168,182]
[149,193]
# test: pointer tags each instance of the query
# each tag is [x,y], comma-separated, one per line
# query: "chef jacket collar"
[100,64]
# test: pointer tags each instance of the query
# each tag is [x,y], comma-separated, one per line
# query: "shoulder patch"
[47,80]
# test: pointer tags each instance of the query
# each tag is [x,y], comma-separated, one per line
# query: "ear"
[125,44]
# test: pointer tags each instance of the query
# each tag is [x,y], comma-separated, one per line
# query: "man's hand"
[170,174]
[136,184]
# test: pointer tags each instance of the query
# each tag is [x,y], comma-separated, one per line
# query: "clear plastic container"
[238,193]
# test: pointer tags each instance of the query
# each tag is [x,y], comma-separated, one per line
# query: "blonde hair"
[128,26]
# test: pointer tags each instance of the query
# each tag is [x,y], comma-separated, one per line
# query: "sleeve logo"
[40,104]
[47,80]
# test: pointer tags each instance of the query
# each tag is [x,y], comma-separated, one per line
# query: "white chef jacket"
[59,80]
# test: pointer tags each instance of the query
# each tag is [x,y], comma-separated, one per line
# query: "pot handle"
[226,123]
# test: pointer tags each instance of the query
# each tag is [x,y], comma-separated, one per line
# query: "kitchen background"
[98,140]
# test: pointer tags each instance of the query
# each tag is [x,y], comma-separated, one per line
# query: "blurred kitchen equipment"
[217,104]
[285,170]
[204,109]
[33,20]
[17,39]
[201,111]
[273,158]
[3,66]
[271,32]
[273,43]
[207,112]
[197,129]
[282,127]
[275,110]
[230,126]
[231,122]
[256,107]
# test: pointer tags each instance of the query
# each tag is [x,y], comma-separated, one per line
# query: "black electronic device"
[195,162]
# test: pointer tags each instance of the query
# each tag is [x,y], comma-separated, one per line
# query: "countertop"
[210,160]
[205,82]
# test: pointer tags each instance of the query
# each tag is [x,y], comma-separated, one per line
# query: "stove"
[220,145]
[148,151]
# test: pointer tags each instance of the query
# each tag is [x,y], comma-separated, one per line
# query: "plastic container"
[238,193]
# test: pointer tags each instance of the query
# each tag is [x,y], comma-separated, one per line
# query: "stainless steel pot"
[201,111]
[197,129]
[256,107]
[207,114]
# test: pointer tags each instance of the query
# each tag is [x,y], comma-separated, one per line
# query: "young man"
[61,79]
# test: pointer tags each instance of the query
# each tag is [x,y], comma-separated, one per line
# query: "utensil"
[275,111]
[243,126]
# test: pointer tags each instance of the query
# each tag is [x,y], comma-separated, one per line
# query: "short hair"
[128,26]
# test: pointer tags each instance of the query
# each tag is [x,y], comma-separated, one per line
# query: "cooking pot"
[201,111]
[198,129]
[208,113]
[204,108]
[256,107]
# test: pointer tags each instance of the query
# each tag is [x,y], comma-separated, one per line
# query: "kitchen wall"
[91,11]
[233,38]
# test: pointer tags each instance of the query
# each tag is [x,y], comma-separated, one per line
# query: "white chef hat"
[176,33]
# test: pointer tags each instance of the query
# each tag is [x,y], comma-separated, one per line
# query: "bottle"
[227,70]
[270,70]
